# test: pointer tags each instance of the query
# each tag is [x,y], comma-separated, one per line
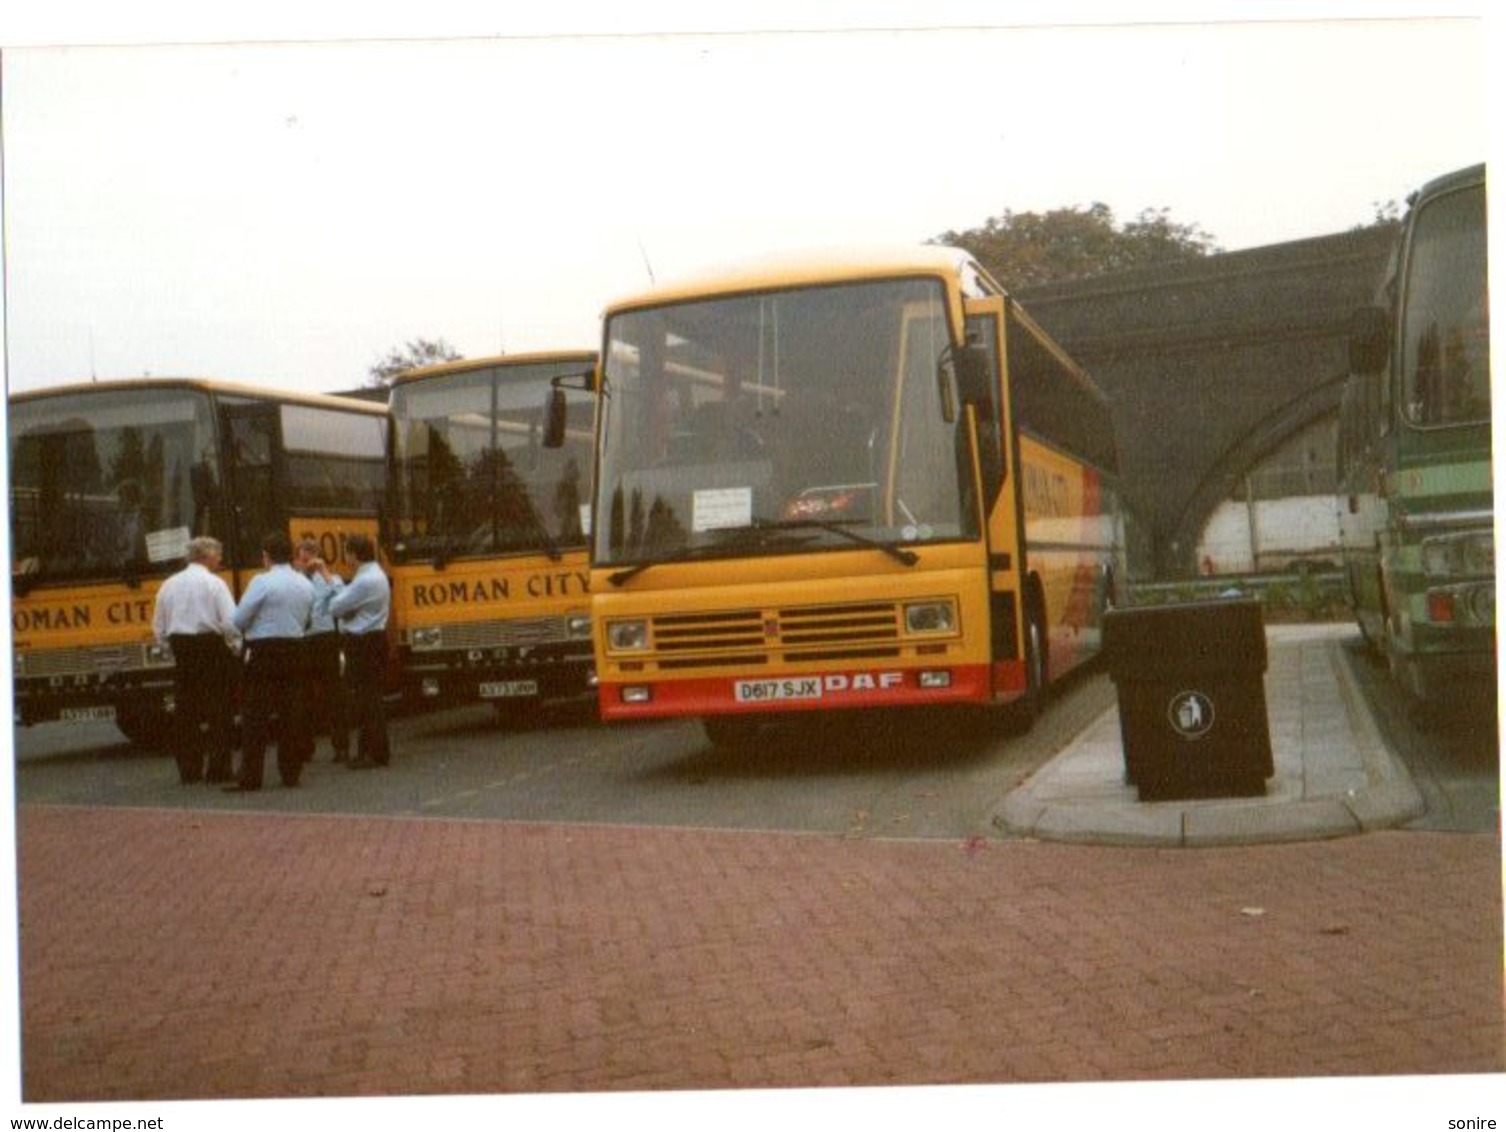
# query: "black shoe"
[239,788]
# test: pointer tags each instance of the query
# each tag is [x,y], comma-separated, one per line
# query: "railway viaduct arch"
[1210,367]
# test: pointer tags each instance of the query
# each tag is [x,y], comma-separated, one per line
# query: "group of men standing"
[300,638]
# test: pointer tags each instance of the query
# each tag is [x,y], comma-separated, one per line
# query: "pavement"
[1334,774]
[206,956]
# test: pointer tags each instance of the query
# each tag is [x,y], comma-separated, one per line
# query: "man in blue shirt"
[272,617]
[361,610]
[326,686]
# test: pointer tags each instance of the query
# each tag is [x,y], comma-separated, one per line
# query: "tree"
[1387,215]
[1022,249]
[414,353]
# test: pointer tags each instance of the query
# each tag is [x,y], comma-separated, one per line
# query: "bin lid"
[1197,638]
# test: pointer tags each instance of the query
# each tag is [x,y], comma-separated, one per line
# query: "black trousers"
[366,681]
[204,679]
[329,713]
[275,709]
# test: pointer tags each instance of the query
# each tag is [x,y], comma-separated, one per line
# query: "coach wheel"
[1024,711]
[517,715]
[730,732]
[149,730]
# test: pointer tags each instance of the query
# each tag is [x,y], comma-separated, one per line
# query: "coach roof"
[817,267]
[202,385]
[497,361]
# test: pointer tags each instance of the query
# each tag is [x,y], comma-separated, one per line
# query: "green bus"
[1416,506]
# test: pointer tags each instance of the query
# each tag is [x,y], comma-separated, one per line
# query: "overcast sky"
[285,213]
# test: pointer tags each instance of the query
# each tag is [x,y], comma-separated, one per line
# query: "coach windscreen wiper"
[763,534]
[898,553]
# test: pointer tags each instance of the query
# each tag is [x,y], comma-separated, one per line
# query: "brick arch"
[1210,365]
[1247,451]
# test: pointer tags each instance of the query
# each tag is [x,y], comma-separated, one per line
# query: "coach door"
[253,441]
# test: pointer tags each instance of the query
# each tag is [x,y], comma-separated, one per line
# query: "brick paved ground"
[181,955]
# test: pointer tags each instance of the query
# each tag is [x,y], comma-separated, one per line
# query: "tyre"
[149,730]
[517,715]
[1023,713]
[731,732]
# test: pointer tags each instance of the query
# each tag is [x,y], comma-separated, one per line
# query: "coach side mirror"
[554,419]
[556,414]
[1369,340]
[975,378]
[945,389]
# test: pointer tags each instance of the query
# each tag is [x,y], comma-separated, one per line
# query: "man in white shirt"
[195,615]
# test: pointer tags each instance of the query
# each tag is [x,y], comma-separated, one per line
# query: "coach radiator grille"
[82,661]
[512,632]
[791,633]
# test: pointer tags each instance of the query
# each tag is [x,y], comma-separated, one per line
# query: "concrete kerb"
[1334,777]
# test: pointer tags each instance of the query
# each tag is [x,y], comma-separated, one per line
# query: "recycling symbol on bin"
[1191,714]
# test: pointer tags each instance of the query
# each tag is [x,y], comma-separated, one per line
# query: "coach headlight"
[424,637]
[930,617]
[1482,603]
[1471,554]
[627,636]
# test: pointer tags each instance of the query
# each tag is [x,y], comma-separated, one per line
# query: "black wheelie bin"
[1191,685]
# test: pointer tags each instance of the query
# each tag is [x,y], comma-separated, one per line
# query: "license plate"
[100,713]
[504,689]
[769,691]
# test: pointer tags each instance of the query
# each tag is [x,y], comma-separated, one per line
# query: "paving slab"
[1334,774]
